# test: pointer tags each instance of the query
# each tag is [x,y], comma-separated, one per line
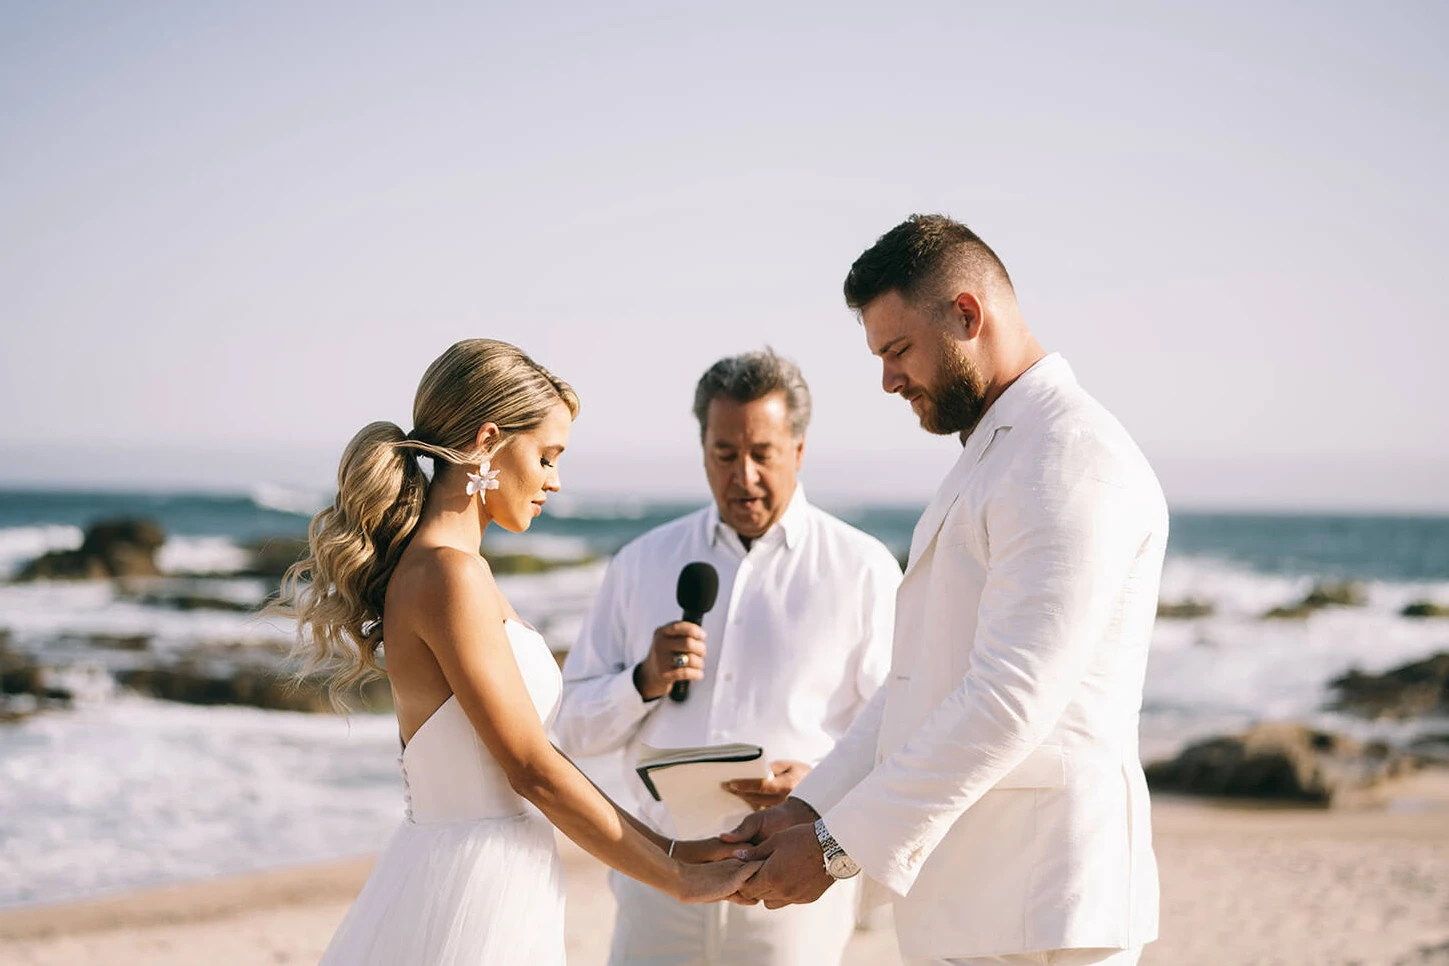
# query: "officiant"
[797,643]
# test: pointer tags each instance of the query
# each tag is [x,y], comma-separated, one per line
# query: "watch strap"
[831,851]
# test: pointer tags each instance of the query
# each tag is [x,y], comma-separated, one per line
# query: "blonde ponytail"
[336,592]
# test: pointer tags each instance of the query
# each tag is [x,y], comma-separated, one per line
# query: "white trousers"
[1057,957]
[653,929]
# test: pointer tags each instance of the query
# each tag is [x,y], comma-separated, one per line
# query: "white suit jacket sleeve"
[1063,535]
[601,709]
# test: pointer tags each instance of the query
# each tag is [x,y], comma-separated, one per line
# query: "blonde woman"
[472,875]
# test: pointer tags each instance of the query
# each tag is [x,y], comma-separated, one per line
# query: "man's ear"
[799,453]
[966,314]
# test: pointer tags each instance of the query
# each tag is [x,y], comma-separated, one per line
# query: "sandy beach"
[1265,886]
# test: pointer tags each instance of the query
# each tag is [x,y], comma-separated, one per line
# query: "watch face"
[843,866]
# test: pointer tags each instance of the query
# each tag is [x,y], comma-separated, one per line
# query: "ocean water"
[122,791]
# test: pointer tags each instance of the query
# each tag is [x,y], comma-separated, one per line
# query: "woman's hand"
[713,881]
[695,851]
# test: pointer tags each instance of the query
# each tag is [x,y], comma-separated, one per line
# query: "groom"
[993,784]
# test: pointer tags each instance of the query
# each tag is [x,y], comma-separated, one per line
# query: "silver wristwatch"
[837,864]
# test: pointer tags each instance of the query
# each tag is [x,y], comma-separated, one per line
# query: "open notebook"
[687,781]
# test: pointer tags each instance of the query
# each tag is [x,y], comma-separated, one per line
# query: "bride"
[472,875]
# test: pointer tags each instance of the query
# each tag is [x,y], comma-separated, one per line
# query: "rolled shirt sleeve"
[601,709]
[854,753]
[878,616]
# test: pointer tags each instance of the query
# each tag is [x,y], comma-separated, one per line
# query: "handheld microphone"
[697,588]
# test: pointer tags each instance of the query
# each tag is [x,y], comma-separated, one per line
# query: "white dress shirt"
[798,641]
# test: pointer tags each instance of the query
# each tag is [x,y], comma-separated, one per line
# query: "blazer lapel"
[950,491]
[936,511]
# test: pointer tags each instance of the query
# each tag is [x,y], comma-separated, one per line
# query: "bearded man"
[993,786]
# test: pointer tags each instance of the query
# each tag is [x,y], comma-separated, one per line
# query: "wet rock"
[64,565]
[120,642]
[252,675]
[190,602]
[27,685]
[527,563]
[1431,747]
[1183,610]
[19,674]
[1343,594]
[194,593]
[1409,691]
[272,556]
[191,684]
[1332,594]
[1292,612]
[1425,608]
[112,548]
[256,675]
[1280,761]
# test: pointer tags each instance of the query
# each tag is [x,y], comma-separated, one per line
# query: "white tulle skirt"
[459,894]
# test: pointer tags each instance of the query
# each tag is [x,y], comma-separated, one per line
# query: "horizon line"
[665,497]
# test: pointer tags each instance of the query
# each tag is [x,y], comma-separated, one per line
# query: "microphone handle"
[679,690]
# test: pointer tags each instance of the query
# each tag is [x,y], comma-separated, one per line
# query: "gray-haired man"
[796,645]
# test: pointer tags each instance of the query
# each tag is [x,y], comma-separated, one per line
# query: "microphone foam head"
[698,587]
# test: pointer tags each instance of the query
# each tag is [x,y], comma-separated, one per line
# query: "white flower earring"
[482,481]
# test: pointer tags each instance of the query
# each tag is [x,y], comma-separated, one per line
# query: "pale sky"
[231,235]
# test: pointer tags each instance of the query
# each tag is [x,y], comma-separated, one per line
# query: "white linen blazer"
[994,785]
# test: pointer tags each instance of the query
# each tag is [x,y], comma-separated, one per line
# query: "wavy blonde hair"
[336,592]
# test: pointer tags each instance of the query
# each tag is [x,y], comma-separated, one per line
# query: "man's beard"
[957,400]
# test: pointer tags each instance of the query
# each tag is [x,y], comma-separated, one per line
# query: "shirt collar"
[1047,373]
[791,525]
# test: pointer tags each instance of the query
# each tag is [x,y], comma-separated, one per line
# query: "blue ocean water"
[1365,547]
[1408,548]
[238,517]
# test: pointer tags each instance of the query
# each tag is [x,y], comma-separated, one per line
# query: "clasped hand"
[780,839]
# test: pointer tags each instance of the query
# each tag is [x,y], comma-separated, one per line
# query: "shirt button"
[729,677]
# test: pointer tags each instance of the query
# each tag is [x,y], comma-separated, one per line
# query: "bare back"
[418,684]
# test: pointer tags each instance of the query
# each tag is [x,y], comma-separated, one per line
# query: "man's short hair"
[750,376]
[921,258]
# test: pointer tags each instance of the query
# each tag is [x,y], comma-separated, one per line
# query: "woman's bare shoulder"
[429,577]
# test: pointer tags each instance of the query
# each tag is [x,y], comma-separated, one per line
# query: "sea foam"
[20,545]
[201,555]
[136,792]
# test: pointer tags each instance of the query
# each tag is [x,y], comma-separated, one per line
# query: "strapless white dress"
[472,876]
